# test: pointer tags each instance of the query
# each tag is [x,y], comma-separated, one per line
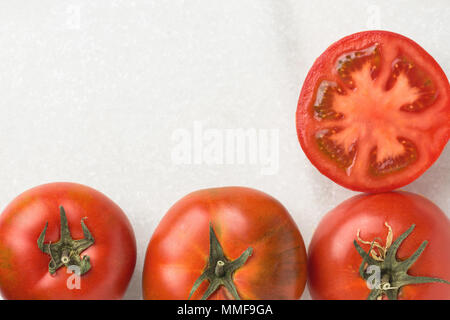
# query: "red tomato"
[334,261]
[99,241]
[374,111]
[246,223]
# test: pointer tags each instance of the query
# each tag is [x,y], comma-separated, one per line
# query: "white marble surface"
[98,92]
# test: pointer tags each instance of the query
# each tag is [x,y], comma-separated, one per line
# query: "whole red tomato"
[65,241]
[410,241]
[374,111]
[225,243]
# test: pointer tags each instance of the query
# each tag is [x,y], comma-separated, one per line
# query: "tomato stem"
[219,270]
[66,251]
[393,273]
[65,256]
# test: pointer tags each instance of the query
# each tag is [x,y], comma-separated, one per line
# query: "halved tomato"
[374,111]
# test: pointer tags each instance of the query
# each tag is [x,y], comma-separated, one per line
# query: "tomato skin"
[439,135]
[178,250]
[333,262]
[24,268]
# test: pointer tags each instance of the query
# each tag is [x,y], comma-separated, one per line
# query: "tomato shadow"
[435,182]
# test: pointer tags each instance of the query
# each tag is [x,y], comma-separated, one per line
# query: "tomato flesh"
[374,111]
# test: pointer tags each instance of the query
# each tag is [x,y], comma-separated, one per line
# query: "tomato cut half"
[374,111]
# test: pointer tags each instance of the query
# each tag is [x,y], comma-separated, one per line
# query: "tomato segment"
[343,156]
[389,165]
[403,67]
[351,62]
[374,111]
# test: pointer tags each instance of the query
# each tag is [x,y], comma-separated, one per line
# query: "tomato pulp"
[55,232]
[261,251]
[374,111]
[384,221]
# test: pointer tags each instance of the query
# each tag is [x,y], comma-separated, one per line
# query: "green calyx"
[66,251]
[393,273]
[219,270]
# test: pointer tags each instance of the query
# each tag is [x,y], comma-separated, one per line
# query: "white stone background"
[92,92]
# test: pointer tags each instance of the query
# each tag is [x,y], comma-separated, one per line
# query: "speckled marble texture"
[98,92]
